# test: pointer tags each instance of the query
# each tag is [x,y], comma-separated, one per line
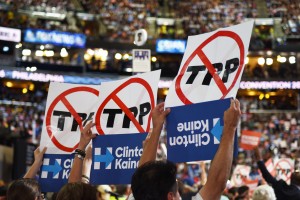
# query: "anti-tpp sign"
[212,66]
[210,71]
[125,108]
[284,168]
[125,105]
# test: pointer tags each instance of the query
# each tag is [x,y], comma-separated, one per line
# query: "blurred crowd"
[117,20]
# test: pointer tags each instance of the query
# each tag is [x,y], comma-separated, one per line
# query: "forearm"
[220,167]
[86,170]
[76,170]
[150,148]
[33,170]
[265,173]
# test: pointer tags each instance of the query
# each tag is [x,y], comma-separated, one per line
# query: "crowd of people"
[118,20]
[280,139]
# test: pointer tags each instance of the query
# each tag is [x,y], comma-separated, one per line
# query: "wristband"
[86,178]
[79,156]
[80,152]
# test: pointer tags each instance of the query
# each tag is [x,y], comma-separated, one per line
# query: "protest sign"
[69,107]
[124,109]
[125,105]
[284,167]
[210,71]
[212,66]
[240,175]
[249,139]
[194,131]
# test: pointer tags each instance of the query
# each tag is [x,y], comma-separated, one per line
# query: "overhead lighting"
[18,45]
[269,61]
[28,69]
[261,61]
[49,53]
[24,91]
[91,52]
[128,69]
[292,59]
[247,60]
[39,53]
[42,47]
[31,87]
[281,59]
[261,96]
[126,56]
[5,48]
[267,96]
[153,59]
[118,56]
[63,53]
[26,52]
[33,69]
[9,84]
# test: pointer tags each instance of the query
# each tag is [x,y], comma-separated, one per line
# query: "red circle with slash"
[199,52]
[279,166]
[113,96]
[62,98]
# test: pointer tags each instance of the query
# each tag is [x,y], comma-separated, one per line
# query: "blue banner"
[55,171]
[194,131]
[115,157]
[55,37]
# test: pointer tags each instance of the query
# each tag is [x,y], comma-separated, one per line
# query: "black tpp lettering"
[231,66]
[143,110]
[141,55]
[62,115]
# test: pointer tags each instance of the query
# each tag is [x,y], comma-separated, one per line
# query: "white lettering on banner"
[197,139]
[125,157]
[249,140]
[193,125]
[195,133]
[37,76]
[126,152]
[126,164]
[10,34]
[267,85]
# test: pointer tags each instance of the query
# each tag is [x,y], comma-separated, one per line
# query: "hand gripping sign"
[125,105]
[69,107]
[212,66]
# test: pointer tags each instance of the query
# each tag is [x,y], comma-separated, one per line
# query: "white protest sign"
[212,66]
[284,168]
[69,107]
[125,105]
[240,174]
[141,60]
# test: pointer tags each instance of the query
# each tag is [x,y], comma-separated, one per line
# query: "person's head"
[243,192]
[295,178]
[26,189]
[264,192]
[77,191]
[155,180]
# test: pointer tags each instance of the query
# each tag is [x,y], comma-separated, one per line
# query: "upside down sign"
[209,75]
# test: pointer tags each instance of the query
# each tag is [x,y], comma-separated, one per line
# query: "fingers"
[166,111]
[44,150]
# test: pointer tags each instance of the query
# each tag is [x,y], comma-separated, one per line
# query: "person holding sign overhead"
[156,180]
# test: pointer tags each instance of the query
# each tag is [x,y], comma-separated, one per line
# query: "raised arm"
[262,167]
[38,161]
[219,171]
[85,138]
[151,142]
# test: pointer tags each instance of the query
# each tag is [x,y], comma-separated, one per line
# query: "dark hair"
[77,191]
[25,189]
[295,178]
[154,180]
